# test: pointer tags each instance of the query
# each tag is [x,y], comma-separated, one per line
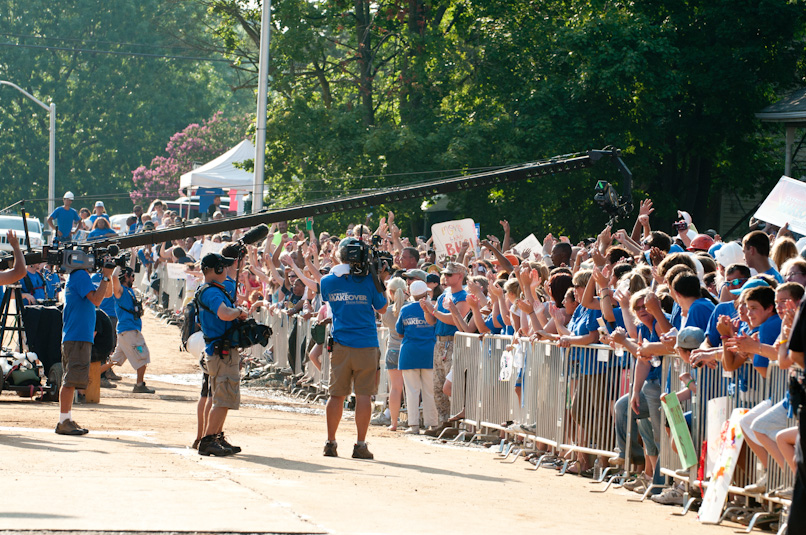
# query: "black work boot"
[223,442]
[210,445]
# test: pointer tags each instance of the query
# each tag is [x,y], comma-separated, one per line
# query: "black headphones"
[219,269]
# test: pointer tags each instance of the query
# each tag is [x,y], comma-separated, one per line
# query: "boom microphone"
[255,234]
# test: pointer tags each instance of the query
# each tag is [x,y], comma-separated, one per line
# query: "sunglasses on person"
[736,282]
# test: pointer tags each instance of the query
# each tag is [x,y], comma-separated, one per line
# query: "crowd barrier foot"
[729,511]
[507,449]
[763,516]
[566,464]
[543,458]
[518,454]
[461,436]
[501,446]
[602,477]
[686,508]
[782,529]
[649,489]
[610,482]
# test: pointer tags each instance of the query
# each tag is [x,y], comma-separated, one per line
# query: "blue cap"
[752,283]
[714,248]
[676,249]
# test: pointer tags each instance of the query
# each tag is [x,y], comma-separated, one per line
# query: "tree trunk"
[364,42]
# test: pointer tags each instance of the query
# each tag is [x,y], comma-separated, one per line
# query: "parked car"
[188,208]
[118,223]
[14,222]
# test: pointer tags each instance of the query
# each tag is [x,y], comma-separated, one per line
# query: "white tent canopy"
[220,173]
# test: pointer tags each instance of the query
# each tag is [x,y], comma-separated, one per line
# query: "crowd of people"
[685,294]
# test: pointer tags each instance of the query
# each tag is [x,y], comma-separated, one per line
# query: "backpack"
[190,323]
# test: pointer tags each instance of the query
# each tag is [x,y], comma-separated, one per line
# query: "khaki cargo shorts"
[225,379]
[353,370]
[132,347]
[76,364]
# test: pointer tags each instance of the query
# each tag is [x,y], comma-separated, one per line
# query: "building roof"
[790,109]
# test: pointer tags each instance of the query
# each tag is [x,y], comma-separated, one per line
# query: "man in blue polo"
[66,219]
[355,357]
[33,285]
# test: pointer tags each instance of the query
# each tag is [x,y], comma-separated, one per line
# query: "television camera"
[70,257]
[366,258]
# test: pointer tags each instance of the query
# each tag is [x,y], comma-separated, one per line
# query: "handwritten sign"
[530,242]
[176,271]
[448,236]
[786,203]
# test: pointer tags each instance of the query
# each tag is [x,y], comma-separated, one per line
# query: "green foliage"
[114,112]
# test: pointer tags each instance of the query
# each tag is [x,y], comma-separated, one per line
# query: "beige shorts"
[225,379]
[353,370]
[76,364]
[132,347]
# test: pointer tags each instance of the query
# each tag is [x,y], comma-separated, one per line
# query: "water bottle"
[655,361]
[597,468]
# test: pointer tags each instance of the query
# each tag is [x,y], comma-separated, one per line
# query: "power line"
[74,39]
[114,52]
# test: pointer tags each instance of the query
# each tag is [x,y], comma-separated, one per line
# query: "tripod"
[16,326]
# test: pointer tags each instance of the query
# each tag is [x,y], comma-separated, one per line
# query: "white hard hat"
[69,195]
[195,344]
[730,253]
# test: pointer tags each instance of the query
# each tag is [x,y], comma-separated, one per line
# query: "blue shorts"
[392,358]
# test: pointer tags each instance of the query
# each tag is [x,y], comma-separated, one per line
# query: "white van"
[14,222]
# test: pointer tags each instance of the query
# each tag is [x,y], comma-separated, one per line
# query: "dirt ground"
[136,472]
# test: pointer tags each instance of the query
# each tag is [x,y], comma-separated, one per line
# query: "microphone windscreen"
[255,234]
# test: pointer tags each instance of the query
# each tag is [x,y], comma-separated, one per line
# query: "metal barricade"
[465,394]
[779,477]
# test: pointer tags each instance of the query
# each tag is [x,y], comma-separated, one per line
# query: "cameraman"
[78,326]
[355,355]
[216,315]
[130,345]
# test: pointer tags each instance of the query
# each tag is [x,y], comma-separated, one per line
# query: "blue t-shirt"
[53,284]
[64,222]
[229,284]
[767,333]
[677,316]
[651,335]
[774,272]
[145,259]
[135,227]
[503,329]
[583,321]
[37,288]
[417,347]
[108,304]
[353,301]
[727,308]
[124,308]
[212,326]
[99,233]
[78,319]
[444,329]
[699,313]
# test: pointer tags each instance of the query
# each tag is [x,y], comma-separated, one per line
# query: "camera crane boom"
[613,204]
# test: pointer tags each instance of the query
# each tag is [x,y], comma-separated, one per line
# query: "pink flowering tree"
[197,143]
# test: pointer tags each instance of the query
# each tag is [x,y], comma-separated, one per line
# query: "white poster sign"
[210,246]
[786,203]
[530,242]
[176,271]
[449,236]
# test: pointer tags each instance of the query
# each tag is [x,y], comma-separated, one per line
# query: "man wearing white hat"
[66,219]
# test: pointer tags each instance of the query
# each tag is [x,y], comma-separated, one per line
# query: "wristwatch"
[106,279]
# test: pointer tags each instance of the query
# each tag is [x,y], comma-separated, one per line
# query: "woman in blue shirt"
[100,229]
[416,359]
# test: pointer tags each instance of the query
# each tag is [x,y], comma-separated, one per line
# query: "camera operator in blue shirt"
[216,316]
[78,326]
[355,355]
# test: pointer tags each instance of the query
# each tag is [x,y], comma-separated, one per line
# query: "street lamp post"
[52,151]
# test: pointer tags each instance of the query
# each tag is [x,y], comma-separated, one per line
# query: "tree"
[196,143]
[114,110]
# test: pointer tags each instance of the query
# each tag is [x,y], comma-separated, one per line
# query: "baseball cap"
[685,216]
[148,225]
[418,288]
[432,278]
[454,267]
[511,257]
[69,195]
[752,283]
[730,253]
[99,203]
[214,260]
[690,338]
[418,274]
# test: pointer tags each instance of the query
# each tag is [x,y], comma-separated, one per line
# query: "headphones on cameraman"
[219,269]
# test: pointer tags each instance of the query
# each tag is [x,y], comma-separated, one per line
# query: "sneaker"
[69,427]
[330,449]
[106,383]
[381,419]
[616,461]
[670,496]
[223,441]
[759,487]
[412,431]
[142,389]
[210,445]
[639,484]
[362,452]
[112,376]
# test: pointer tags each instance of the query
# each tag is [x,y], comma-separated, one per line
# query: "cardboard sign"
[786,203]
[448,236]
[714,500]
[176,271]
[530,242]
[210,246]
[715,419]
[680,433]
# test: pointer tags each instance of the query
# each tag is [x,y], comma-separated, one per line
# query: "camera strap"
[202,306]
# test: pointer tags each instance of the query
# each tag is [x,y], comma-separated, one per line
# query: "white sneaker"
[639,484]
[381,419]
[412,431]
[759,487]
[670,496]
